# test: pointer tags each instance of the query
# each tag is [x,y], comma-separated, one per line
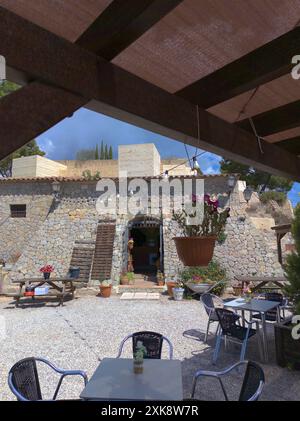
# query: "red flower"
[47,269]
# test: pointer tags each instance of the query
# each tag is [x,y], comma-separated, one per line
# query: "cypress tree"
[110,153]
[102,151]
[96,152]
[106,152]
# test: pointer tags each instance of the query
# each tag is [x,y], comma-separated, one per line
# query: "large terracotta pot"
[170,286]
[195,251]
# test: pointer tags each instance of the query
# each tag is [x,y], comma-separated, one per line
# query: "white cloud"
[47,145]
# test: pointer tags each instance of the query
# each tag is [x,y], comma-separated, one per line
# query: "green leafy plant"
[292,268]
[130,277]
[277,196]
[213,273]
[87,175]
[213,222]
[106,282]
[140,353]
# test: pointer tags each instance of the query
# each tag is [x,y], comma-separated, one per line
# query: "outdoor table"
[60,287]
[261,281]
[256,306]
[114,379]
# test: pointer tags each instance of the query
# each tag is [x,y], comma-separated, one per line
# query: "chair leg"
[243,350]
[217,348]
[207,330]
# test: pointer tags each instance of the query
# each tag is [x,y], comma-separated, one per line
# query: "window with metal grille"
[18,211]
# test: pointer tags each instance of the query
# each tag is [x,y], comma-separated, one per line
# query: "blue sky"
[86,128]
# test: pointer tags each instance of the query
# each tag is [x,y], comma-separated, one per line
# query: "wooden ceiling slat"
[262,65]
[276,120]
[31,110]
[124,96]
[121,23]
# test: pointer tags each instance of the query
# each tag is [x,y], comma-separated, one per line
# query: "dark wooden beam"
[274,121]
[122,95]
[291,145]
[121,23]
[260,66]
[31,110]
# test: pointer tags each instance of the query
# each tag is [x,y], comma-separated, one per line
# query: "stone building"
[54,219]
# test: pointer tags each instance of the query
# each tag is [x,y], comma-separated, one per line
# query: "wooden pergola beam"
[274,121]
[121,23]
[31,110]
[122,95]
[291,145]
[258,67]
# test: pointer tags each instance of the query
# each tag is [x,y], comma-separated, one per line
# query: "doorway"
[146,253]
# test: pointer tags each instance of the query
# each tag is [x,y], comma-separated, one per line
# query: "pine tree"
[292,268]
[102,151]
[110,153]
[106,152]
[96,152]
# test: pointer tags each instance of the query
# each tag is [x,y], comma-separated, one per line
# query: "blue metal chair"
[152,341]
[24,383]
[274,315]
[253,382]
[231,331]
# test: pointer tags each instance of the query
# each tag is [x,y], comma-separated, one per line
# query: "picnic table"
[114,379]
[59,287]
[261,281]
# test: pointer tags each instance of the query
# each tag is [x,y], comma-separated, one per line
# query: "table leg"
[243,318]
[264,335]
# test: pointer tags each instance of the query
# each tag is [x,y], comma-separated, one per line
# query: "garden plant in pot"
[105,288]
[287,333]
[197,245]
[46,270]
[178,291]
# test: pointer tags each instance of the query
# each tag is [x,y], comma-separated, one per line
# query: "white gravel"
[89,328]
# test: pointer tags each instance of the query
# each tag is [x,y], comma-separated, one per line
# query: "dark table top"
[260,279]
[114,379]
[39,280]
[259,306]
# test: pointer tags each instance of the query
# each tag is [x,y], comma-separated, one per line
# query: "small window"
[18,211]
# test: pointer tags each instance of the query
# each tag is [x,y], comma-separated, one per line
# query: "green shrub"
[292,268]
[277,196]
[213,272]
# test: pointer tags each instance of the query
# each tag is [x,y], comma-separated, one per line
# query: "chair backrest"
[253,383]
[152,341]
[207,300]
[227,320]
[274,296]
[23,379]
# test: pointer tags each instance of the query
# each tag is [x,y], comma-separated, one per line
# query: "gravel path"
[88,329]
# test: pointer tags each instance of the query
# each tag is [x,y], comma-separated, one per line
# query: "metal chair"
[253,382]
[274,315]
[231,331]
[152,341]
[210,302]
[23,379]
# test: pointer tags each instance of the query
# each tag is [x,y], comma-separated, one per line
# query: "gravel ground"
[87,329]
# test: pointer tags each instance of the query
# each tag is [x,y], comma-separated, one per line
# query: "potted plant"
[288,347]
[138,358]
[47,270]
[105,288]
[178,291]
[197,245]
[170,286]
[130,277]
[124,278]
[160,278]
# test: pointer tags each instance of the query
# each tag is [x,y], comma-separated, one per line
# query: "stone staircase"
[141,284]
[102,262]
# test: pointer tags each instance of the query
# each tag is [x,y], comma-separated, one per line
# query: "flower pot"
[160,282]
[287,348]
[178,294]
[195,251]
[124,280]
[199,288]
[138,366]
[47,275]
[237,291]
[105,291]
[170,286]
